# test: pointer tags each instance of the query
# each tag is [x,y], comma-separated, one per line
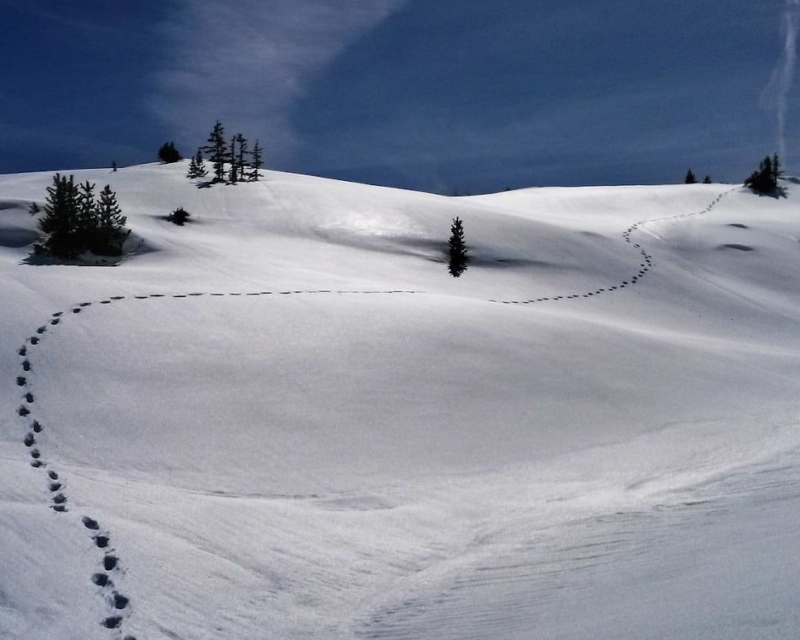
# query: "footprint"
[55,486]
[37,427]
[59,499]
[112,622]
[41,330]
[21,381]
[22,351]
[53,475]
[34,340]
[35,453]
[110,563]
[101,579]
[117,297]
[105,302]
[55,322]
[84,304]
[23,411]
[29,398]
[60,508]
[120,601]
[37,463]
[58,314]
[101,541]
[90,523]
[76,311]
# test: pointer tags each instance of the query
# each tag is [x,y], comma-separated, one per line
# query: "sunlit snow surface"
[289,421]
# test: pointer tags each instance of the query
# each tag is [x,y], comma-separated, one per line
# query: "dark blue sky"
[444,95]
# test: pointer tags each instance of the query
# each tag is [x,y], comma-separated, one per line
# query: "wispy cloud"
[246,62]
[776,94]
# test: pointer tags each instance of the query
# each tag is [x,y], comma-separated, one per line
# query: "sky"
[447,96]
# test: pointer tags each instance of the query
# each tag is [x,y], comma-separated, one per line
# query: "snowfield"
[286,420]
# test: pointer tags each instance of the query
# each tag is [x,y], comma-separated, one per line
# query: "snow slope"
[286,420]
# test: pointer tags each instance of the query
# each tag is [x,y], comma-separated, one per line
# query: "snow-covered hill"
[286,420]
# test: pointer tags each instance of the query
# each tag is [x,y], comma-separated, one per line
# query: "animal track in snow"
[645,265]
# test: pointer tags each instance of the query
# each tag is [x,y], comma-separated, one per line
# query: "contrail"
[776,94]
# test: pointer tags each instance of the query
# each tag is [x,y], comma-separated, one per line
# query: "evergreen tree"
[690,178]
[457,250]
[86,223]
[110,232]
[217,151]
[169,154]
[179,217]
[197,168]
[256,163]
[707,180]
[59,222]
[241,156]
[777,172]
[233,171]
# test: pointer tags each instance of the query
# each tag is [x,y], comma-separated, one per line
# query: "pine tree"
[256,163]
[232,172]
[110,232]
[217,151]
[707,180]
[241,156]
[60,218]
[169,154]
[690,178]
[457,250]
[197,168]
[86,222]
[777,172]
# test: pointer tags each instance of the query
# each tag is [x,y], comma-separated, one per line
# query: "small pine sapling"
[179,217]
[457,250]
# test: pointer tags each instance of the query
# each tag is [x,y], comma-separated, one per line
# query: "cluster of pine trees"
[231,162]
[765,180]
[75,221]
[692,179]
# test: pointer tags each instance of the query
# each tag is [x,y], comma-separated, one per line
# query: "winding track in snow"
[116,603]
[644,266]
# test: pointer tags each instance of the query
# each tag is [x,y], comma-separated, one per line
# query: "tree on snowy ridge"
[256,163]
[217,150]
[168,154]
[197,168]
[765,180]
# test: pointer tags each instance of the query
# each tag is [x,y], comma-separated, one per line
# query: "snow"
[291,422]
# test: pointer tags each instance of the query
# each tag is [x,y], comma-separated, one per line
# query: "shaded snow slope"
[286,420]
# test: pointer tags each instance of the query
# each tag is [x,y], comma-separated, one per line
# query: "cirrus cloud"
[245,63]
